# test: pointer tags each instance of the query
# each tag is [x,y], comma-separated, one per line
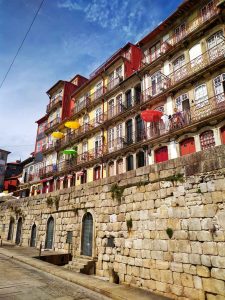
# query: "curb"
[111,290]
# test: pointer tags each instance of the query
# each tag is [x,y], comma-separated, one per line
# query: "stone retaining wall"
[167,221]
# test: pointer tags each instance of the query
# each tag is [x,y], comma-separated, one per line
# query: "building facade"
[177,69]
[3,160]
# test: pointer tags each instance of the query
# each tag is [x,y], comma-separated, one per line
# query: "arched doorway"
[49,233]
[140,159]
[87,235]
[11,229]
[33,236]
[19,231]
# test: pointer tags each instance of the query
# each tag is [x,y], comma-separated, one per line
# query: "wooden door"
[49,233]
[187,146]
[87,235]
[161,154]
[222,132]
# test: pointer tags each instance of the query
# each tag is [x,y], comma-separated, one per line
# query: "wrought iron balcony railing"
[190,27]
[54,103]
[114,82]
[52,124]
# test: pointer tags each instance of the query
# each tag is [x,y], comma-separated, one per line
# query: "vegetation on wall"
[129,224]
[117,192]
[49,201]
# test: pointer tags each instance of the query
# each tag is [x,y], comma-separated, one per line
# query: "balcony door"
[129,132]
[214,45]
[139,129]
[207,11]
[111,139]
[137,92]
[156,83]
[195,54]
[98,146]
[161,154]
[219,87]
[128,99]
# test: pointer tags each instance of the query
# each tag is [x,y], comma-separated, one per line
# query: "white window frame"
[203,99]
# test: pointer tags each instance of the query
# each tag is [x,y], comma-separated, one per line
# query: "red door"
[222,132]
[187,146]
[161,154]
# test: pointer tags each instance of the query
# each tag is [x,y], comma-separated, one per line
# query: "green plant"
[49,201]
[169,232]
[129,224]
[117,192]
[56,200]
[199,191]
[177,177]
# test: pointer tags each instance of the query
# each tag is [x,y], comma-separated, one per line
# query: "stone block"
[206,260]
[176,267]
[194,224]
[189,269]
[204,236]
[194,259]
[162,265]
[209,248]
[218,262]
[221,249]
[177,289]
[218,273]
[197,282]
[187,280]
[203,271]
[166,276]
[214,286]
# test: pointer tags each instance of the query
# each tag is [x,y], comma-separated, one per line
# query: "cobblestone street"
[19,281]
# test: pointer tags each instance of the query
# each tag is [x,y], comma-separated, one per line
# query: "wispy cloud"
[69,4]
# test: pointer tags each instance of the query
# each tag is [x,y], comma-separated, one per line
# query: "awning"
[151,115]
[72,124]
[47,179]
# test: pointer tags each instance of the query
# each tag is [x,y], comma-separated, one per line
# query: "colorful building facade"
[176,71]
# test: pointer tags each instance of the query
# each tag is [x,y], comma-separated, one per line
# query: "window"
[111,108]
[155,51]
[98,146]
[180,100]
[111,138]
[119,136]
[130,163]
[97,173]
[179,32]
[129,132]
[212,43]
[207,140]
[128,99]
[119,103]
[207,11]
[201,96]
[119,72]
[120,166]
[86,123]
[179,67]
[98,116]
[156,83]
[195,54]
[219,87]
[111,168]
[98,90]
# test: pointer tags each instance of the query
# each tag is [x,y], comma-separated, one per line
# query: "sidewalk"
[113,291]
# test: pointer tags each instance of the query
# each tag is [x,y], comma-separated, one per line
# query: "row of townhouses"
[95,127]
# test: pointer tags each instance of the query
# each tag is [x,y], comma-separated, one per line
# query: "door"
[187,146]
[129,132]
[97,173]
[19,231]
[98,146]
[87,235]
[161,154]
[156,82]
[218,83]
[179,32]
[222,133]
[83,178]
[33,236]
[49,233]
[11,229]
[215,45]
[119,137]
[111,139]
[140,159]
[137,91]
[120,166]
[195,54]
[130,163]
[111,110]
[207,11]
[139,129]
[128,99]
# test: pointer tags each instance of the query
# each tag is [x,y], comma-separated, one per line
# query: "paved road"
[22,282]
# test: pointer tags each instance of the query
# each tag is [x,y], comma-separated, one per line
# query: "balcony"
[48,147]
[88,102]
[114,83]
[47,170]
[54,103]
[192,68]
[90,155]
[176,38]
[51,125]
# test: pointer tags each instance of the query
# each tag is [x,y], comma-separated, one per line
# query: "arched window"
[140,159]
[187,146]
[130,162]
[120,166]
[161,154]
[111,168]
[49,233]
[87,235]
[97,173]
[207,140]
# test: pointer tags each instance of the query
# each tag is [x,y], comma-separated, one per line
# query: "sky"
[68,37]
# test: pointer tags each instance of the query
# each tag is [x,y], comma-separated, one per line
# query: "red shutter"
[222,132]
[187,146]
[161,154]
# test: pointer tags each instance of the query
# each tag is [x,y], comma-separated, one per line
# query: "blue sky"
[68,37]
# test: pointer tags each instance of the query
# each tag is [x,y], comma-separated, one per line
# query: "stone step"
[82,264]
